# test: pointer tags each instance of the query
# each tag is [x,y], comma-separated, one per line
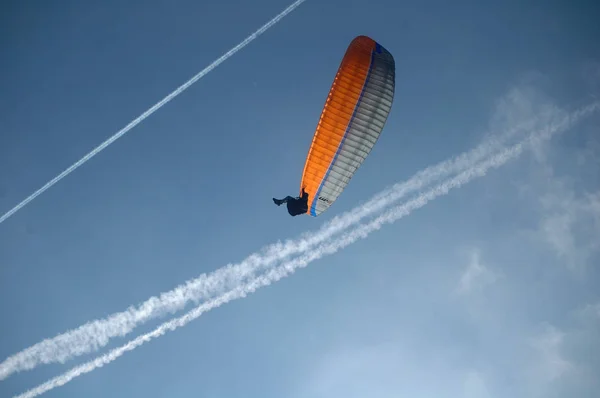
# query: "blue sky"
[490,291]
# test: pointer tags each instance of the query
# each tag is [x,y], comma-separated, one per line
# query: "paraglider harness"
[295,206]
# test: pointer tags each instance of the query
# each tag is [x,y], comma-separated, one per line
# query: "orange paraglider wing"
[357,107]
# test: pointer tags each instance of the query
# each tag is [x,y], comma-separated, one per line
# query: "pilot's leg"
[279,202]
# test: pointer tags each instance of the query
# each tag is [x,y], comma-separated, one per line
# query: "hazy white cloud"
[523,103]
[475,276]
[378,370]
[388,370]
[570,223]
[589,314]
[550,363]
[565,360]
[564,187]
[475,386]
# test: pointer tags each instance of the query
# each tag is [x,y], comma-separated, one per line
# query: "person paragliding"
[295,206]
[355,112]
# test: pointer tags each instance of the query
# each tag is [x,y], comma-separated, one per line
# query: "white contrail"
[96,334]
[290,267]
[150,111]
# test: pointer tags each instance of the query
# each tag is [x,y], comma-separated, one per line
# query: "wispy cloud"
[550,364]
[475,275]
[569,207]
[475,386]
[565,359]
[571,226]
[326,248]
[590,314]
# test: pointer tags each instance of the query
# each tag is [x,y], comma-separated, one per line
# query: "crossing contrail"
[153,109]
[96,334]
[330,247]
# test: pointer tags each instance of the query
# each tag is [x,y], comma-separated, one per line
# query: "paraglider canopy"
[355,112]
